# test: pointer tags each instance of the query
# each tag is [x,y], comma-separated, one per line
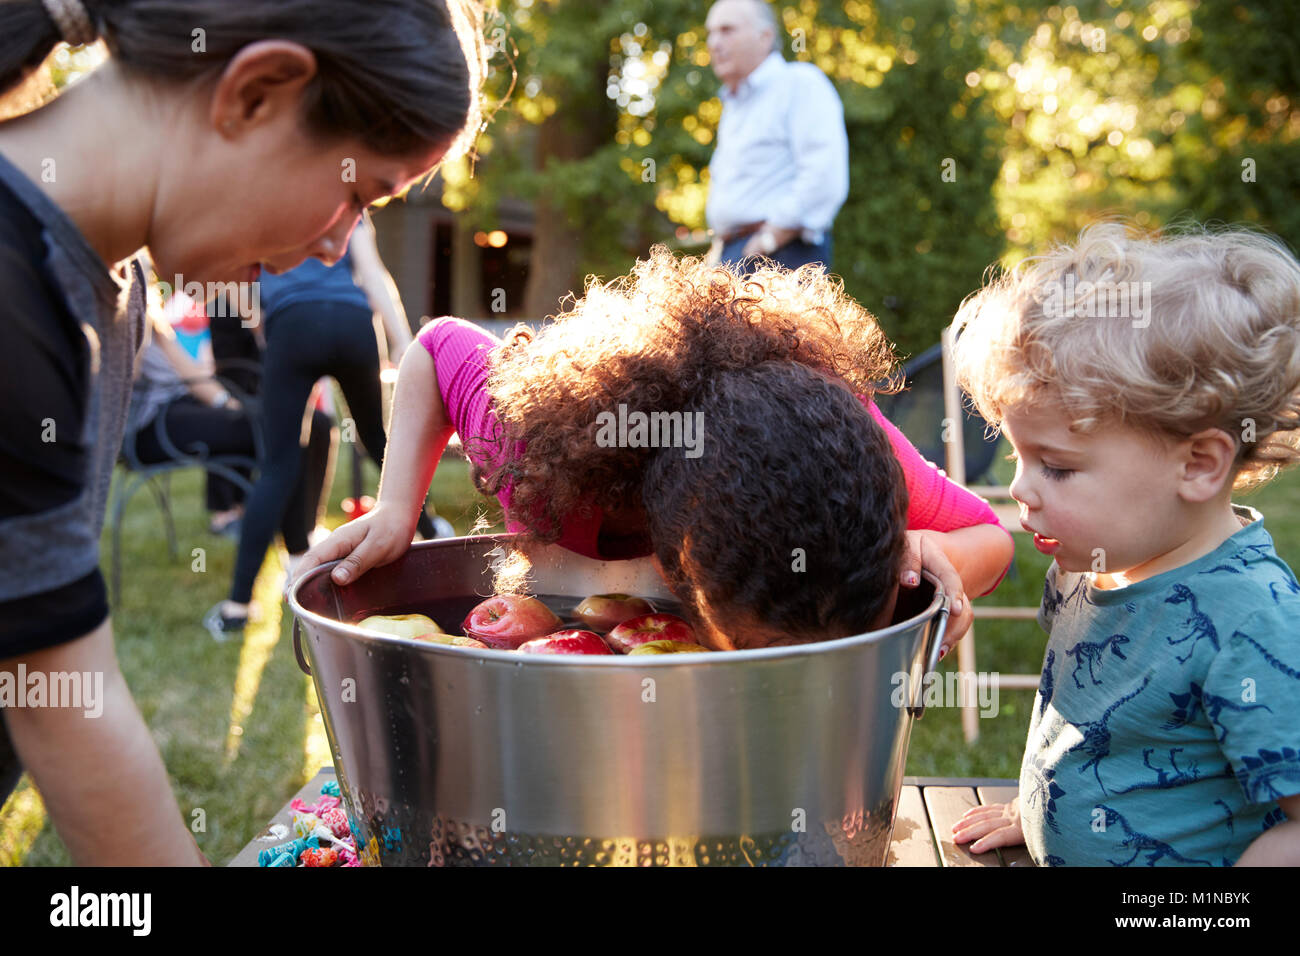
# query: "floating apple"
[505,621]
[667,647]
[456,640]
[650,627]
[401,625]
[604,611]
[566,642]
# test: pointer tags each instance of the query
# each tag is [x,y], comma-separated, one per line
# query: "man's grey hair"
[765,16]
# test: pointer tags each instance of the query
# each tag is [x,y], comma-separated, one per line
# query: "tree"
[979,132]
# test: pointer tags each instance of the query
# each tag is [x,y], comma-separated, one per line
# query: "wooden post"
[955,451]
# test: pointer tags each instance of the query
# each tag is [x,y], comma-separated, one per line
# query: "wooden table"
[927,809]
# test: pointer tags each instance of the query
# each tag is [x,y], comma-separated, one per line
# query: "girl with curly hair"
[766,360]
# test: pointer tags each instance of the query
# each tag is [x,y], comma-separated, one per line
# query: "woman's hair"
[794,514]
[400,75]
[1168,335]
[652,342]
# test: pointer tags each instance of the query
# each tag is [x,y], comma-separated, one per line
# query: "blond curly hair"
[1167,334]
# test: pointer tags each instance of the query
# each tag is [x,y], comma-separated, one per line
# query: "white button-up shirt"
[783,154]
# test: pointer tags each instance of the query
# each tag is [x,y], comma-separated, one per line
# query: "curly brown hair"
[652,341]
[790,526]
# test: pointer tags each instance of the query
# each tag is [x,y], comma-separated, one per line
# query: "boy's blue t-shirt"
[1167,721]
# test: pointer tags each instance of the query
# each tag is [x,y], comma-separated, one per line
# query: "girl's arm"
[420,431]
[952,533]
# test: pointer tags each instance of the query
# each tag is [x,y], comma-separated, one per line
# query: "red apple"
[505,621]
[650,627]
[603,611]
[456,640]
[666,647]
[566,642]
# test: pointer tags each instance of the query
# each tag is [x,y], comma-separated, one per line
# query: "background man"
[780,171]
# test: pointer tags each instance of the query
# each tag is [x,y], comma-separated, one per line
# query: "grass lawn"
[238,724]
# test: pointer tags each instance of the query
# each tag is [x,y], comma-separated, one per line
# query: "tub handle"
[297,647]
[934,641]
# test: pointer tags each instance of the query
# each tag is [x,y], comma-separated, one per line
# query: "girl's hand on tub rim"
[925,552]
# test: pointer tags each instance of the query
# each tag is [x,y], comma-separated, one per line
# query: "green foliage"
[920,224]
[1052,116]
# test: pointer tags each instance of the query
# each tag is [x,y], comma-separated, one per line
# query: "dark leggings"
[304,342]
[191,425]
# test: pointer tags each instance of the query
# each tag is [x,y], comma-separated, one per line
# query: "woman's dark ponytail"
[400,75]
[27,36]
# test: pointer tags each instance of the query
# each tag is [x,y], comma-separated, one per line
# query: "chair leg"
[123,496]
[160,485]
[966,665]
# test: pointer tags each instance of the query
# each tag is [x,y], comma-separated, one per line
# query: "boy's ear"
[1208,457]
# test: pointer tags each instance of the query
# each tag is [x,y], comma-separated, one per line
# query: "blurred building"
[445,265]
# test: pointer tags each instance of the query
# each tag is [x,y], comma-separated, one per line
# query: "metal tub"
[456,756]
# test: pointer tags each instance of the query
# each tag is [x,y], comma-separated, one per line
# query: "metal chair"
[157,475]
[921,413]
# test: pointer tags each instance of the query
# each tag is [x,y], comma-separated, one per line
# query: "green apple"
[456,640]
[666,647]
[401,625]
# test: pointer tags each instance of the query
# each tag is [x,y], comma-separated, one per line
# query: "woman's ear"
[263,81]
[1207,460]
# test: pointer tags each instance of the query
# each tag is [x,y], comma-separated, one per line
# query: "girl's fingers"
[333,547]
[910,573]
[959,623]
[355,563]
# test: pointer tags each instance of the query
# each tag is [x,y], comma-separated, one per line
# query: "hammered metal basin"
[453,756]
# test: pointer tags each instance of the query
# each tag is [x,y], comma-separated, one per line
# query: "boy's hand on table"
[924,552]
[991,826]
[378,537]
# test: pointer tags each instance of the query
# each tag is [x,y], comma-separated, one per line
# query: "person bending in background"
[319,321]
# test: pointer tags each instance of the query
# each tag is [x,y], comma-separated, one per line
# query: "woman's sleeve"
[935,502]
[47,596]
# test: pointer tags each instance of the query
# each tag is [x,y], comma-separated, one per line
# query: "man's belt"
[740,232]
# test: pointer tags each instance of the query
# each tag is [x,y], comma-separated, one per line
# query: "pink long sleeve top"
[460,353]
